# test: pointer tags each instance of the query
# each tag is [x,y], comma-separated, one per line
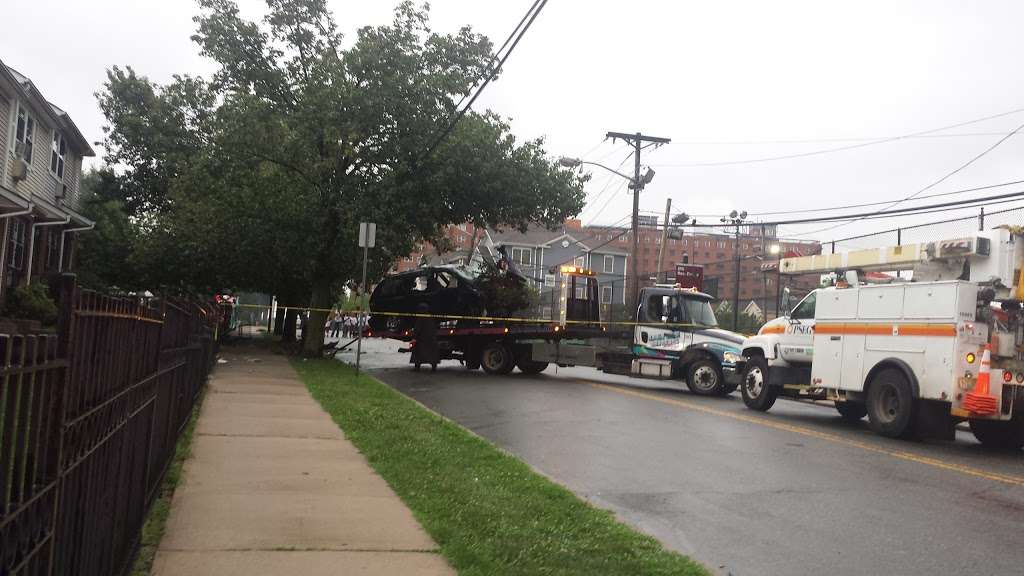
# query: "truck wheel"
[496,358]
[704,378]
[891,406]
[531,367]
[852,411]
[1007,435]
[754,388]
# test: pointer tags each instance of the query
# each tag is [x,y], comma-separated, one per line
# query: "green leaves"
[258,178]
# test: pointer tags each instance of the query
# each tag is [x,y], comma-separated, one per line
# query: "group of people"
[342,325]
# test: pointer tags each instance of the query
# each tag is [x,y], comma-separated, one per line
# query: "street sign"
[367,240]
[690,276]
[367,234]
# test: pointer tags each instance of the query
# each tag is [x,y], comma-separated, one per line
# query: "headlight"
[731,357]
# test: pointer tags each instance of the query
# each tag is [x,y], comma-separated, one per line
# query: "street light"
[568,162]
[736,219]
[636,183]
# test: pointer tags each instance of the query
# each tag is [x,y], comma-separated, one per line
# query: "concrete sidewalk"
[273,487]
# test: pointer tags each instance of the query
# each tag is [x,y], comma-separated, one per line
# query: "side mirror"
[787,301]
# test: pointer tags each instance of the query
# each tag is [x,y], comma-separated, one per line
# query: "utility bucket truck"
[912,354]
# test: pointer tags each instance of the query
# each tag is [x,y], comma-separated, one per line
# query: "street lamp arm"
[575,162]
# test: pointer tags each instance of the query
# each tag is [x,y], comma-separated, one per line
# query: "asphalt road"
[794,491]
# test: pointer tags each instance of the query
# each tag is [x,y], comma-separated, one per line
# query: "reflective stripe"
[947,330]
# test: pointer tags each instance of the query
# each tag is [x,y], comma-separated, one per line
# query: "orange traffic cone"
[978,401]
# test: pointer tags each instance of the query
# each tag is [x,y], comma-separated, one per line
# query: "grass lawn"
[488,511]
[156,519]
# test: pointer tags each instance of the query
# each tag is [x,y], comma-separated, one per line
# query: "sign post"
[367,240]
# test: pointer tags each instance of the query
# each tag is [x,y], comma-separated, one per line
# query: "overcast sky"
[706,74]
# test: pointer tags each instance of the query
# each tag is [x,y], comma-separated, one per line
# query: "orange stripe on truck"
[908,329]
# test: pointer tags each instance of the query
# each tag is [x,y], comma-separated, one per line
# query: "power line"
[518,34]
[842,148]
[974,202]
[864,205]
[608,183]
[823,140]
[940,180]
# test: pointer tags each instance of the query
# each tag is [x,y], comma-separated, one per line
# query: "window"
[16,244]
[522,256]
[581,292]
[606,294]
[53,249]
[57,151]
[580,261]
[549,280]
[805,309]
[609,264]
[25,133]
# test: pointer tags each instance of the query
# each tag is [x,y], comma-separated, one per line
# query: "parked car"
[445,290]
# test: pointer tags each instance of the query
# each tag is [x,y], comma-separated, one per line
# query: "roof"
[57,116]
[534,236]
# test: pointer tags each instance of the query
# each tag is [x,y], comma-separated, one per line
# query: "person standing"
[425,350]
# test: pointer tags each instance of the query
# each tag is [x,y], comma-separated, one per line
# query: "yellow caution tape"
[479,318]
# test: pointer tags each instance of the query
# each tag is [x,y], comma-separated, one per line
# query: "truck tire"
[704,378]
[497,358]
[531,367]
[852,411]
[754,388]
[1007,435]
[891,406]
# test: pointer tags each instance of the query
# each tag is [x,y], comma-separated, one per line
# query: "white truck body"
[922,340]
[928,326]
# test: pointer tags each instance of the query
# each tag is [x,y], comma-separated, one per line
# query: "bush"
[31,303]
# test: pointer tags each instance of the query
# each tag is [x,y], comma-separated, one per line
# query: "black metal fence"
[89,418]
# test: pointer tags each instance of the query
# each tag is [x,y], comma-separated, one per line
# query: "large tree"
[300,135]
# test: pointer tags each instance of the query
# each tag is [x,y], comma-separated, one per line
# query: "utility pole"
[664,240]
[736,292]
[637,140]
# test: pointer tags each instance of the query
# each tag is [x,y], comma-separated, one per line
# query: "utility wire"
[842,148]
[848,206]
[935,183]
[823,140]
[518,33]
[877,214]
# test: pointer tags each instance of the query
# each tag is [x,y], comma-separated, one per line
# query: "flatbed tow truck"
[674,338]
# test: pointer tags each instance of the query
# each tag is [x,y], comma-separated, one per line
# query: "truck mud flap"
[782,375]
[934,421]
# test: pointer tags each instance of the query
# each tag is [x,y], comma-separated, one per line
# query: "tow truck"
[907,353]
[674,338]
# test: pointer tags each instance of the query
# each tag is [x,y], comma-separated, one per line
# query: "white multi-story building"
[40,179]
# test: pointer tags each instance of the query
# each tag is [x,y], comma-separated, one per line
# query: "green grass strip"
[156,518]
[488,511]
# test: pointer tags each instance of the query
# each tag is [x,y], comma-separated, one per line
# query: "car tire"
[704,378]
[757,393]
[891,405]
[497,358]
[852,411]
[1008,435]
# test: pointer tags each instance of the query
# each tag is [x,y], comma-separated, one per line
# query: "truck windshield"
[698,311]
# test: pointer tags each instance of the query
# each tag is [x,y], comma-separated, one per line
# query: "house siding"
[5,113]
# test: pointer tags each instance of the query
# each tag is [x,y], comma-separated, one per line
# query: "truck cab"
[677,335]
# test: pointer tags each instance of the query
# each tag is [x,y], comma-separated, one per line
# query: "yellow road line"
[804,431]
